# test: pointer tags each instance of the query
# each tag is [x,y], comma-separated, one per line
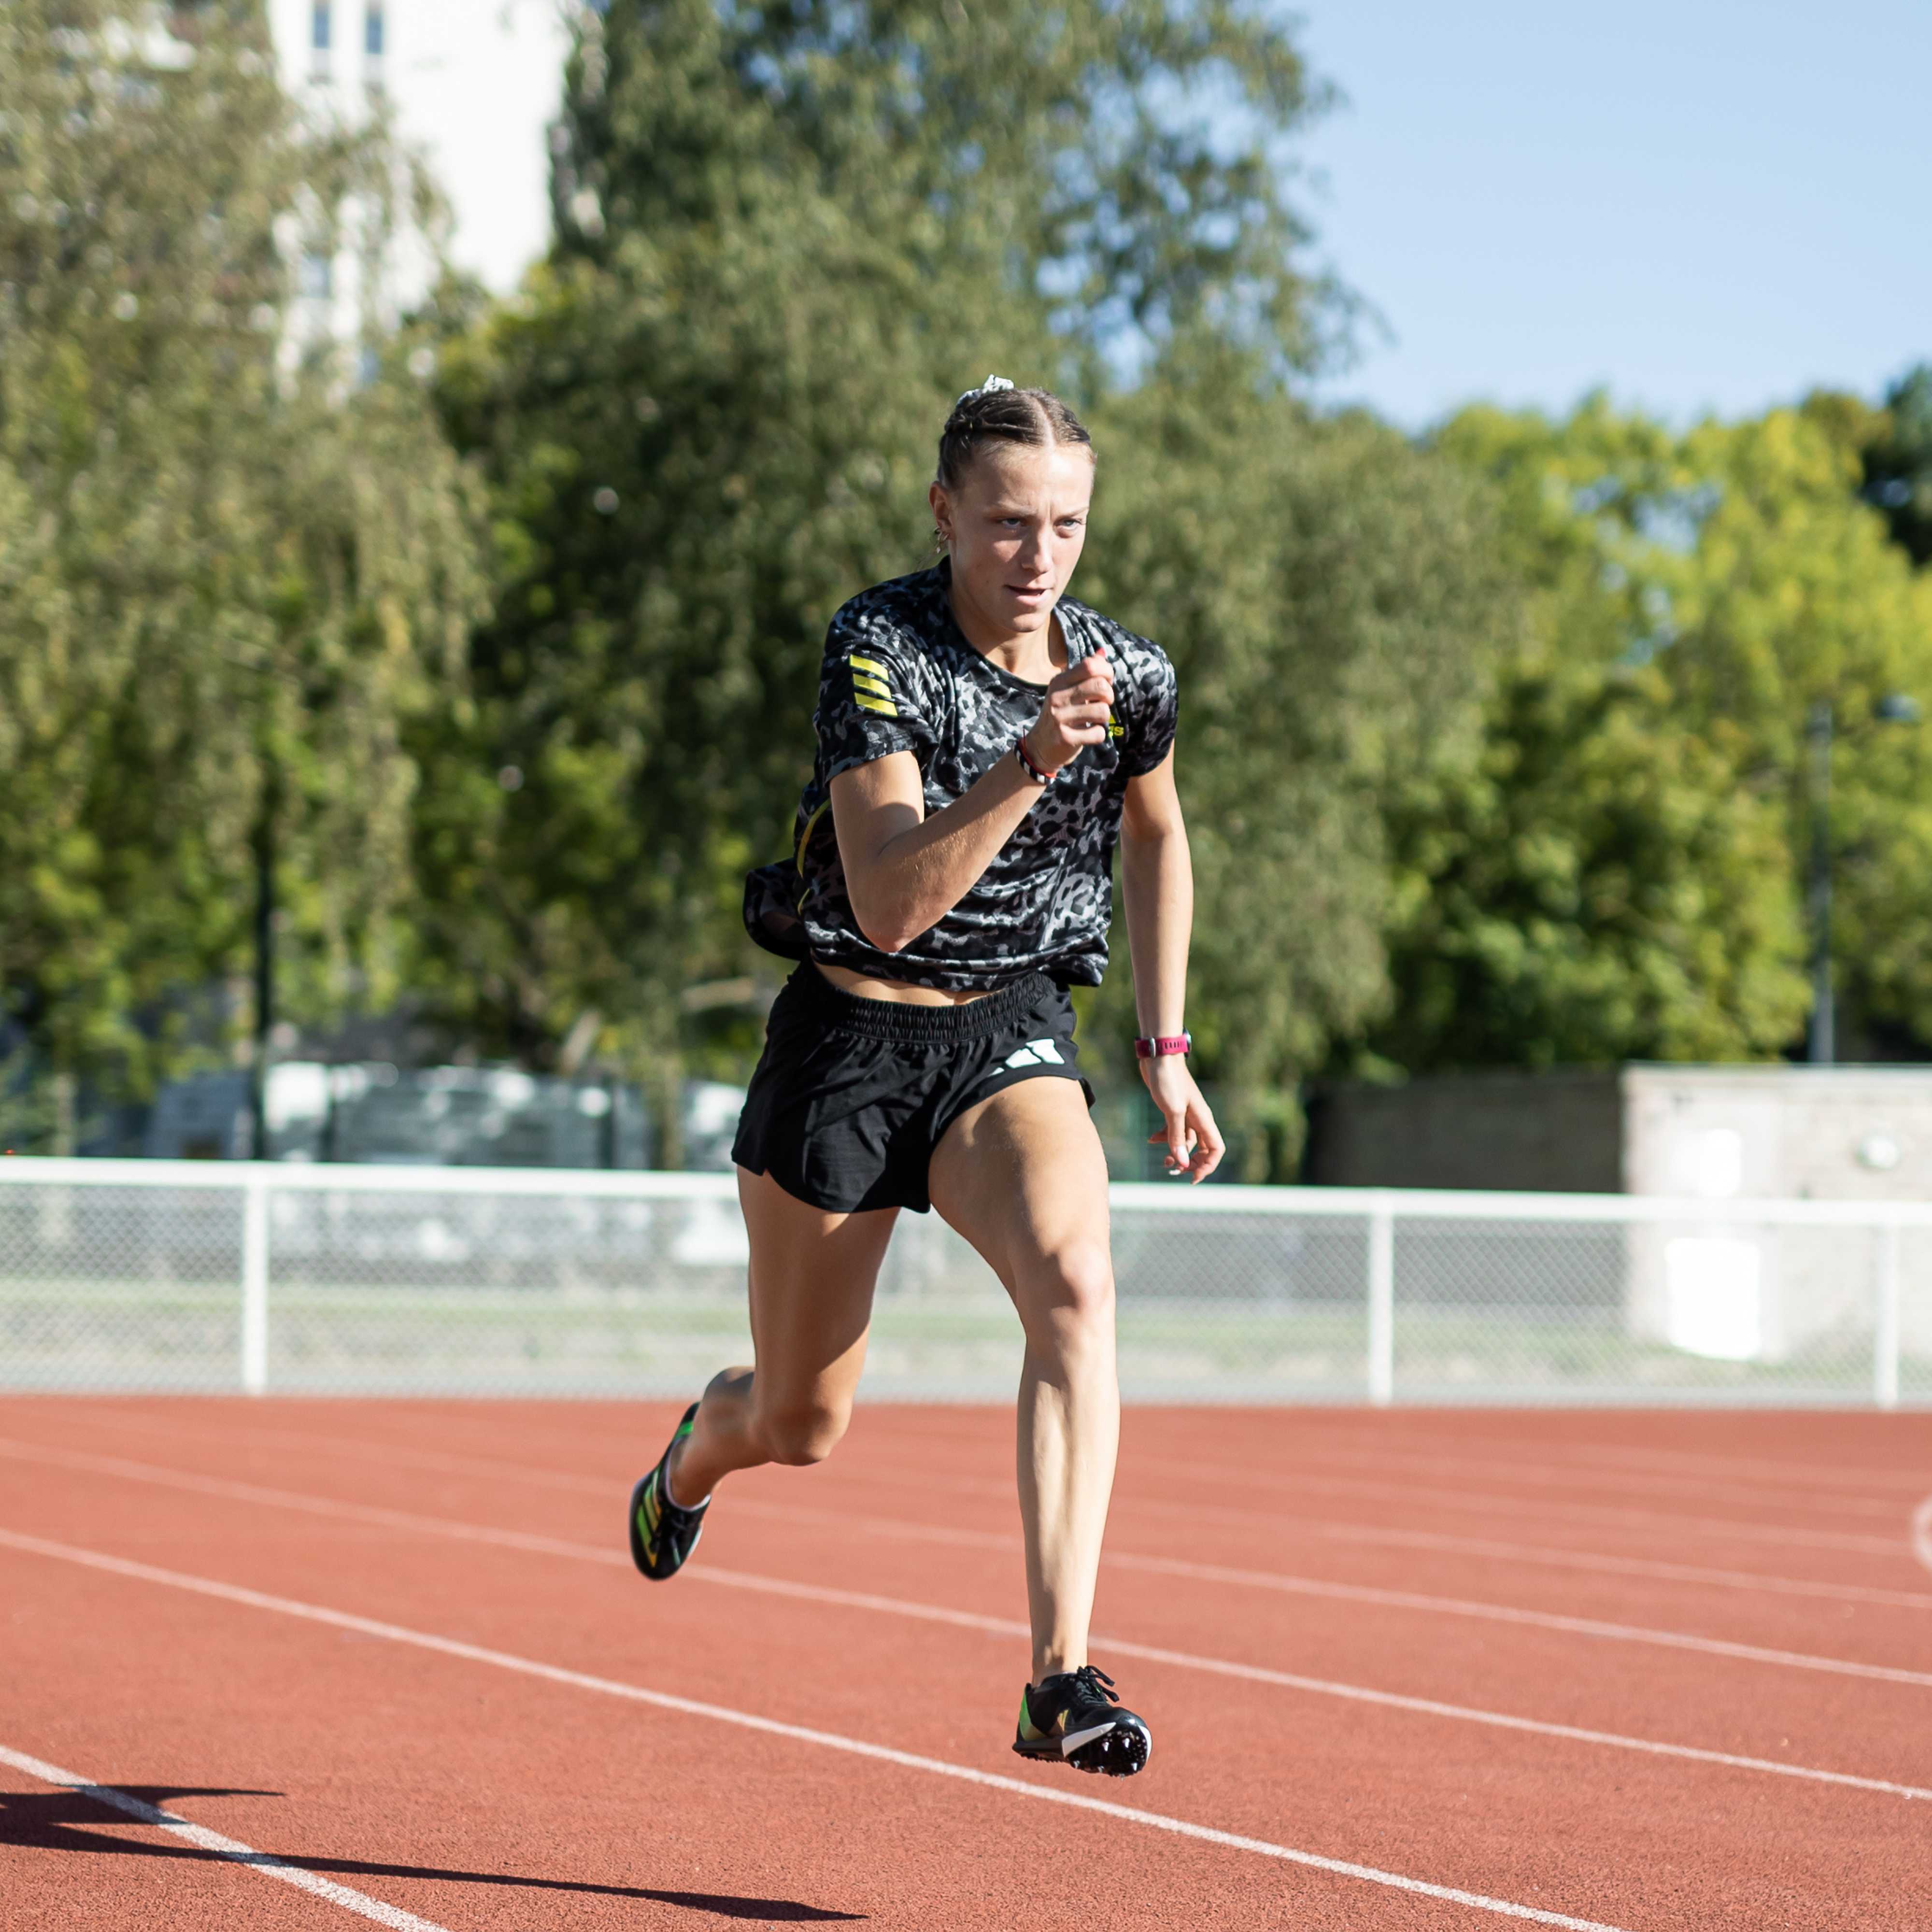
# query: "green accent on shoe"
[663,1533]
[1028,1729]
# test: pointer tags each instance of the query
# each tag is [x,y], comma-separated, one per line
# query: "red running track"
[387,1663]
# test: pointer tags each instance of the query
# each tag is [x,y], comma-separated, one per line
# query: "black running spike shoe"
[1075,1715]
[663,1533]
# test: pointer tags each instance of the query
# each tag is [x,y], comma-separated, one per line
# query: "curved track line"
[1922,1532]
[233,1849]
[749,1720]
[1455,1606]
[545,1546]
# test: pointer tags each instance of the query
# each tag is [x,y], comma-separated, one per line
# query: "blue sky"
[1703,206]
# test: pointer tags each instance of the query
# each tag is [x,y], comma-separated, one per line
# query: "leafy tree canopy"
[1122,161]
[1330,596]
[225,577]
[1621,876]
[787,238]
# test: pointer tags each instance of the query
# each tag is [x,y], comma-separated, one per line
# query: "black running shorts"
[851,1095]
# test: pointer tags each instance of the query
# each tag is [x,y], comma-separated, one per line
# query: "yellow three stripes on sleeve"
[870,691]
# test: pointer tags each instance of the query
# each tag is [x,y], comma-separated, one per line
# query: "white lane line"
[1524,1553]
[1625,1566]
[709,1572]
[1310,1586]
[495,1468]
[1465,1502]
[1781,1478]
[1641,1521]
[1922,1532]
[1255,1673]
[921,1532]
[1468,1502]
[1779,1474]
[233,1849]
[1541,1555]
[748,1720]
[1456,1607]
[1545,1474]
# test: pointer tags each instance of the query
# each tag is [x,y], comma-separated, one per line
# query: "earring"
[938,542]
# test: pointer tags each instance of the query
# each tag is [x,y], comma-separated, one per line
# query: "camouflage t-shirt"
[899,676]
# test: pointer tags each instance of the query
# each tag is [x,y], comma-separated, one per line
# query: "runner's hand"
[1194,1143]
[1079,702]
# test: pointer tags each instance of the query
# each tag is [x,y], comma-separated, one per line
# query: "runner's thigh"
[1023,1178]
[812,1274]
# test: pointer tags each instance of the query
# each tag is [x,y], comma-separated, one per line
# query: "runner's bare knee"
[800,1433]
[1070,1295]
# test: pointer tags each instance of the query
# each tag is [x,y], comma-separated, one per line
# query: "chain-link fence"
[333,1279]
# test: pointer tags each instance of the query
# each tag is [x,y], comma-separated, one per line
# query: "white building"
[474,85]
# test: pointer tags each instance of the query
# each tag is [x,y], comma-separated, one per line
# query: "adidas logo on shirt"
[1035,1053]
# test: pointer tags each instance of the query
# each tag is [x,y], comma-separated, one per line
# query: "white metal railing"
[205,1274]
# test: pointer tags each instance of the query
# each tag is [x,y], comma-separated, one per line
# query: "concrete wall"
[1558,1132]
[1716,1132]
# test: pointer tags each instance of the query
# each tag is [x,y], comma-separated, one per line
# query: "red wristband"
[1163,1044]
[1038,773]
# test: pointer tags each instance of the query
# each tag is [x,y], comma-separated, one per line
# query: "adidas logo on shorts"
[1035,1053]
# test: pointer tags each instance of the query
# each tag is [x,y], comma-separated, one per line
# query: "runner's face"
[1016,526]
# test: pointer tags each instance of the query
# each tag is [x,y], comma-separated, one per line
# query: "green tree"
[1794,597]
[1621,875]
[786,236]
[226,580]
[1329,594]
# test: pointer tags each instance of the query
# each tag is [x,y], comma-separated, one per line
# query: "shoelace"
[1096,1683]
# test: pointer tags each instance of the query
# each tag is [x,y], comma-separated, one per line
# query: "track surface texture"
[290,1663]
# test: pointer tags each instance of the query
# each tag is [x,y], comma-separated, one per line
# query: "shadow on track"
[69,1821]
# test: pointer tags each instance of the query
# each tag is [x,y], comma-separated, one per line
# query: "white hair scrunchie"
[987,387]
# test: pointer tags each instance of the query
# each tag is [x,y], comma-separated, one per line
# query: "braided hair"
[998,412]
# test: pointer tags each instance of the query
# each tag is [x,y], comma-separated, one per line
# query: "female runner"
[983,740]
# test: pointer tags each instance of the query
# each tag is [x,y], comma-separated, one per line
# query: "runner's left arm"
[1157,883]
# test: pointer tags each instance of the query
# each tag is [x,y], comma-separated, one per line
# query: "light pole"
[1818,733]
[263,843]
[1895,708]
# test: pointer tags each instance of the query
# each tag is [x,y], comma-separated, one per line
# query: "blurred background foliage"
[226,580]
[495,633]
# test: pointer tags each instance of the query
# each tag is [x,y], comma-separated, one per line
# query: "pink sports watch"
[1163,1044]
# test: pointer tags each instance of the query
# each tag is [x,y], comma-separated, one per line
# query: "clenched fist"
[1079,702]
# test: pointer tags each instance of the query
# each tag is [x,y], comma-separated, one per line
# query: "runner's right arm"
[905,872]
